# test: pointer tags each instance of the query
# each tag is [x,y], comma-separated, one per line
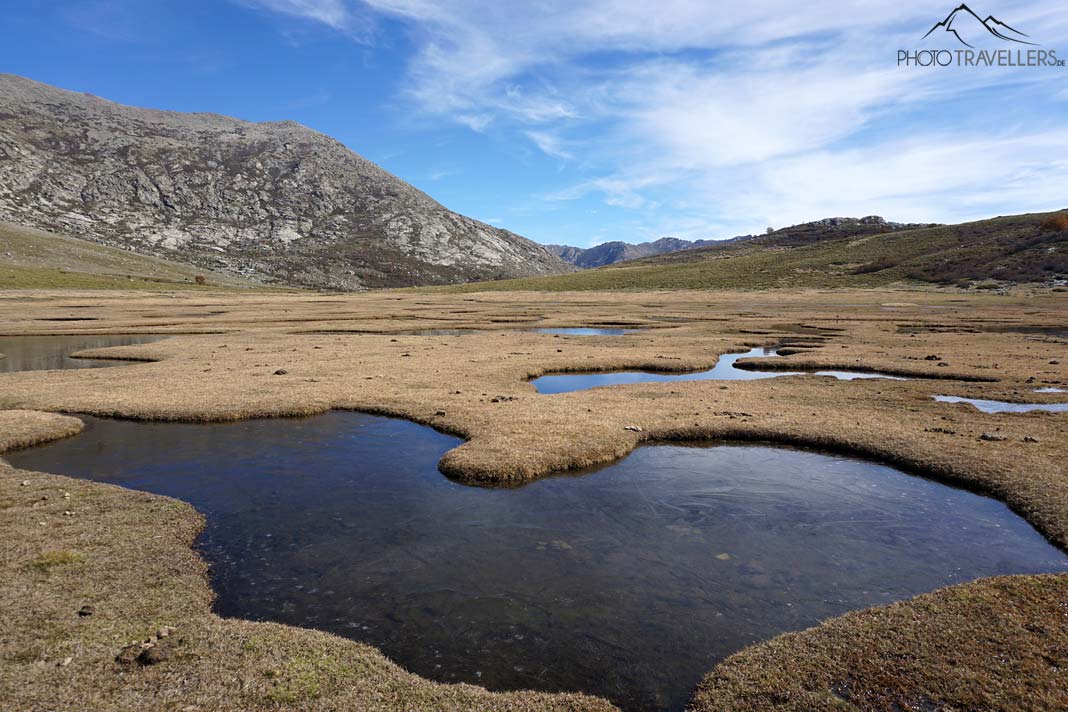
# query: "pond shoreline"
[520,437]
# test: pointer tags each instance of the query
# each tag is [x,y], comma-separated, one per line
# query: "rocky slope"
[273,201]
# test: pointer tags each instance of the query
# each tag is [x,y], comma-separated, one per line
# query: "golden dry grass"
[997,644]
[26,428]
[475,386]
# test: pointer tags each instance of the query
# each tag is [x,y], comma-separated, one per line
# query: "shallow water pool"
[587,331]
[630,581]
[43,353]
[724,370]
[996,406]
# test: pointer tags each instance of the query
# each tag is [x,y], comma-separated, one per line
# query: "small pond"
[586,331]
[629,581]
[43,353]
[996,406]
[724,370]
[581,331]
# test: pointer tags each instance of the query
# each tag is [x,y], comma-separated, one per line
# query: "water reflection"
[587,331]
[42,353]
[582,331]
[724,370]
[628,582]
[996,406]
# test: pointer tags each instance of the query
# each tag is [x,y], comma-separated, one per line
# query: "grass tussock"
[940,650]
[25,428]
[50,559]
[306,677]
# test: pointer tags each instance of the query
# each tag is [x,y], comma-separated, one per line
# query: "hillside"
[608,253]
[843,253]
[35,259]
[275,201]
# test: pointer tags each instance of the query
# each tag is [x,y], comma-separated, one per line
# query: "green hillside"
[36,259]
[1011,249]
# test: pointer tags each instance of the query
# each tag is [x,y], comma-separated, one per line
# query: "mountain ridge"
[272,201]
[608,253]
[615,251]
[847,252]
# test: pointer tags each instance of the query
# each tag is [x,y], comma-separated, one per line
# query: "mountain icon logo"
[964,24]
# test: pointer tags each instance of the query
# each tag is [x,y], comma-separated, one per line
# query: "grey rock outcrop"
[274,201]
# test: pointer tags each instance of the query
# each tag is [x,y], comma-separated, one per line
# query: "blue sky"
[581,122]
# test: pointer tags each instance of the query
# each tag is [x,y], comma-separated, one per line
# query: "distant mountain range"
[848,252]
[271,202]
[611,252]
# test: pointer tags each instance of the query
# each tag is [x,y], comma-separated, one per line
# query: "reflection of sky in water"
[587,331]
[724,370]
[629,582]
[43,353]
[995,406]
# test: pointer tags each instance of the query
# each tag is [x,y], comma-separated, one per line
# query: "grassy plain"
[991,644]
[36,259]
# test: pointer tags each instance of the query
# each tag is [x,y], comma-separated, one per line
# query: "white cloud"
[333,13]
[937,178]
[549,144]
[736,115]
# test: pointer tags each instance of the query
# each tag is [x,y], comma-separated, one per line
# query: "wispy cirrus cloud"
[689,113]
[332,13]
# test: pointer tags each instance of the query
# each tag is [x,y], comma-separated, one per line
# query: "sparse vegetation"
[872,267]
[305,677]
[50,559]
[1057,222]
[36,259]
[1009,249]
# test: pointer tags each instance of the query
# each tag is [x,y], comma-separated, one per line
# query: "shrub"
[877,266]
[200,279]
[1058,222]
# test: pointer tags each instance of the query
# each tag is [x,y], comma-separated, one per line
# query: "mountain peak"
[276,201]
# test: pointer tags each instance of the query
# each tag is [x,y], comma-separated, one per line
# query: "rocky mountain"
[611,252]
[277,202]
